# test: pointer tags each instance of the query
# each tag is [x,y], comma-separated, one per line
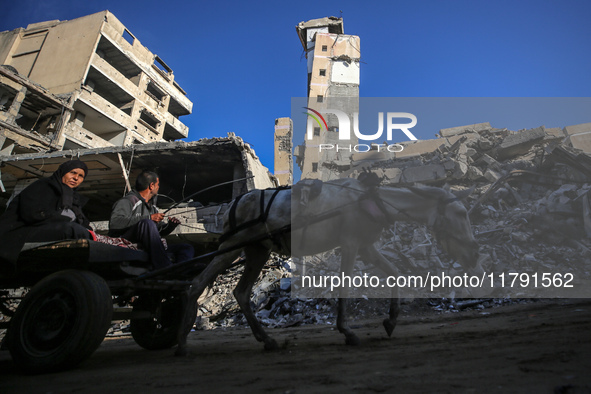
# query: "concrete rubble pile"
[530,210]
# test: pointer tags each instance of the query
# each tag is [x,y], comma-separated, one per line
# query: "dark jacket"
[129,210]
[41,202]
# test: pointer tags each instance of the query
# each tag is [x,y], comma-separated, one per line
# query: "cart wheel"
[160,329]
[60,322]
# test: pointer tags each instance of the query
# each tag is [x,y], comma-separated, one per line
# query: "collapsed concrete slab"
[416,148]
[184,169]
[466,155]
[478,127]
[423,174]
[579,136]
[519,143]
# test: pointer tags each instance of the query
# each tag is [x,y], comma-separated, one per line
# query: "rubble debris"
[530,209]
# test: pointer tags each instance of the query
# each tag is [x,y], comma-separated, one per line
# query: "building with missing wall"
[85,83]
[333,83]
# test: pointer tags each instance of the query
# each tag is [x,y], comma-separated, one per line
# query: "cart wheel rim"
[50,323]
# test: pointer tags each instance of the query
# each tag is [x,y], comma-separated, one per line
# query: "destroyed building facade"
[283,162]
[30,116]
[333,83]
[87,88]
[85,83]
[203,176]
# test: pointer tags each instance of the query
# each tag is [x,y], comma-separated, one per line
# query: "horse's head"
[450,222]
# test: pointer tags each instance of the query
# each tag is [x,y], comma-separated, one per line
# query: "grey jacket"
[129,211]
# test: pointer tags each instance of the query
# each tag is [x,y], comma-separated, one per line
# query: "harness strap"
[232,213]
[264,213]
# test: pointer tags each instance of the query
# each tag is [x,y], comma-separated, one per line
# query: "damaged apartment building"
[85,83]
[87,88]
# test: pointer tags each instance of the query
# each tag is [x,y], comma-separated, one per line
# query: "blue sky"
[241,62]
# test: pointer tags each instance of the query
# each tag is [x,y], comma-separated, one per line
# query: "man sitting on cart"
[50,209]
[136,218]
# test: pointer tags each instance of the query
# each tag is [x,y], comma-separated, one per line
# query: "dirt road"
[538,347]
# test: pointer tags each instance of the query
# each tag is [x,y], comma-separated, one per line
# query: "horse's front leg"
[256,257]
[370,254]
[348,254]
[198,285]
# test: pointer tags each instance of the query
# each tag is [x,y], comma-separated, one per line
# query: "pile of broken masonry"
[530,209]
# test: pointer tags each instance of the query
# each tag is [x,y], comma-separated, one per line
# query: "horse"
[325,216]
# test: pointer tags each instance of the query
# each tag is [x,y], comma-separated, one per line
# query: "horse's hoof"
[181,352]
[389,326]
[271,344]
[352,340]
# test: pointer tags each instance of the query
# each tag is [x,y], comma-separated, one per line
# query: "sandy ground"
[538,347]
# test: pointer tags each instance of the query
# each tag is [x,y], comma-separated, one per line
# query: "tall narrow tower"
[283,147]
[333,83]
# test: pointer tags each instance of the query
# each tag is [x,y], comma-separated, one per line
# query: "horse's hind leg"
[394,310]
[256,257]
[371,254]
[348,255]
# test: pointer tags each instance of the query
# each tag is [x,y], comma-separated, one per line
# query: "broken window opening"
[28,116]
[110,91]
[128,36]
[162,67]
[153,91]
[323,73]
[335,29]
[149,120]
[6,98]
[118,60]
[314,167]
